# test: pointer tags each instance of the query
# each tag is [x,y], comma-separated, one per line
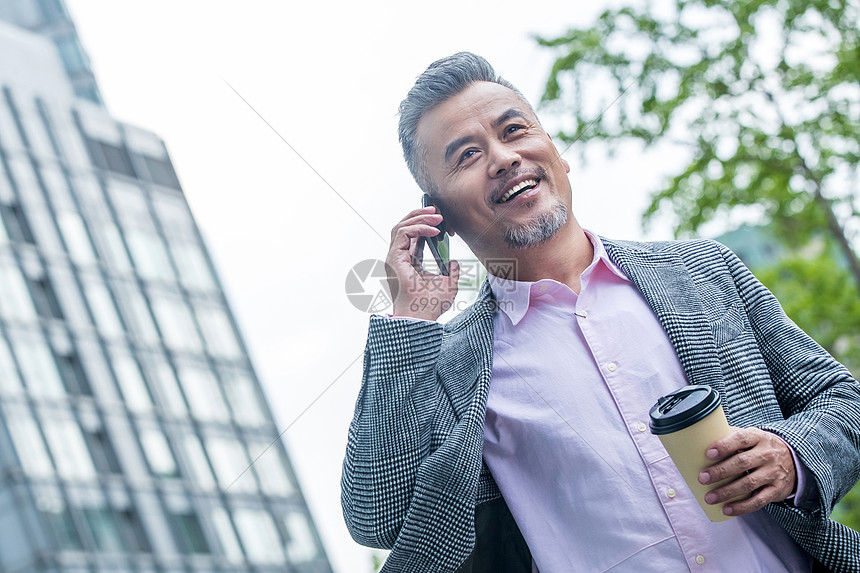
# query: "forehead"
[472,109]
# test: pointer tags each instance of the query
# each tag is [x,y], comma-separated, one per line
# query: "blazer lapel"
[669,289]
[466,357]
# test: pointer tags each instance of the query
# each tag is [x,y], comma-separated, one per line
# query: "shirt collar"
[513,297]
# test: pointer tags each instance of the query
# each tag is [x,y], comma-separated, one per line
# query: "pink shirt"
[566,437]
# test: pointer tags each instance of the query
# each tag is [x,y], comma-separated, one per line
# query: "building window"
[57,186]
[149,255]
[194,272]
[232,467]
[103,453]
[204,396]
[161,172]
[167,387]
[45,299]
[49,501]
[103,529]
[301,542]
[243,397]
[103,308]
[71,53]
[259,536]
[113,248]
[110,157]
[188,532]
[158,454]
[270,469]
[10,382]
[132,533]
[198,464]
[15,301]
[16,223]
[137,310]
[65,287]
[173,213]
[217,328]
[227,536]
[77,239]
[37,365]
[129,204]
[131,383]
[68,448]
[62,526]
[88,91]
[28,441]
[73,375]
[176,324]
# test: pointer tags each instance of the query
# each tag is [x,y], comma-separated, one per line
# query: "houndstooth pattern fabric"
[413,471]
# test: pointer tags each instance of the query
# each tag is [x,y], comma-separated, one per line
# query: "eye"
[513,129]
[468,154]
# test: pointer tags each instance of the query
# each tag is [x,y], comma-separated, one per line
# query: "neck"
[562,258]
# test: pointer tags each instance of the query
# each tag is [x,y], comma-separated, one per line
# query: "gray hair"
[441,80]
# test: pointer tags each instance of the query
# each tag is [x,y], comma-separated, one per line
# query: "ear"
[563,162]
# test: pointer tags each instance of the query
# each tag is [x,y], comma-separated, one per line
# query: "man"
[513,438]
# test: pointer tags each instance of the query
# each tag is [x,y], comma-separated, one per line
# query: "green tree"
[761,99]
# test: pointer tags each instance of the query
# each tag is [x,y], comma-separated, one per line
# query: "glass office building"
[129,411]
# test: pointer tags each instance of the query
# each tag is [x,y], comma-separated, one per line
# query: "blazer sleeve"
[818,396]
[389,435]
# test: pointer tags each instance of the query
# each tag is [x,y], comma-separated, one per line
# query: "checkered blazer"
[413,472]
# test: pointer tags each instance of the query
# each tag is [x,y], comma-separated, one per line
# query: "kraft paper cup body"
[687,449]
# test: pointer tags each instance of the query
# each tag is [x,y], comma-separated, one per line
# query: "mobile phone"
[439,244]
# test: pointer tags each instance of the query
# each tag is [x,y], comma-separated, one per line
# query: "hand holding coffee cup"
[731,471]
[754,465]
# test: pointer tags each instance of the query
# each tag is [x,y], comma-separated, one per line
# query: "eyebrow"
[461,141]
[510,114]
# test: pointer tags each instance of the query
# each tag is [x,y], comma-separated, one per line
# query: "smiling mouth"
[521,187]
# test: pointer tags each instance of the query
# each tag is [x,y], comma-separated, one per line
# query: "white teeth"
[518,187]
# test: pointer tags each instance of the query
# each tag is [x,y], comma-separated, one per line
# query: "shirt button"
[583,313]
[671,493]
[612,367]
[544,288]
[700,559]
[641,427]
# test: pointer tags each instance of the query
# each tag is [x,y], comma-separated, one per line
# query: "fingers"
[410,228]
[426,215]
[768,479]
[734,466]
[740,439]
[756,463]
[758,500]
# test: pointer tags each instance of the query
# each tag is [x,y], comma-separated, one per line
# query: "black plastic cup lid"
[683,408]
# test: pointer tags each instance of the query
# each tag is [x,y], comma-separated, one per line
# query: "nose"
[502,158]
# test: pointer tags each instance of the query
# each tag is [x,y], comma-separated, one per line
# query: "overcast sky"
[328,78]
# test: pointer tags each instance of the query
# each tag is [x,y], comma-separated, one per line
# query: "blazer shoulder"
[692,252]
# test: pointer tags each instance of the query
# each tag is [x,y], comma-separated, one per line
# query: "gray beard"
[538,230]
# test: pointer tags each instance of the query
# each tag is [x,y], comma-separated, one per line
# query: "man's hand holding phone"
[420,293]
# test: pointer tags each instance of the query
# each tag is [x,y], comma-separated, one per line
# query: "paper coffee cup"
[687,421]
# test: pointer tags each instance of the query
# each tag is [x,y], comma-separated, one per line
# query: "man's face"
[495,170]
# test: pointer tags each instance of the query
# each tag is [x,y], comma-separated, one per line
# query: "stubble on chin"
[539,230]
